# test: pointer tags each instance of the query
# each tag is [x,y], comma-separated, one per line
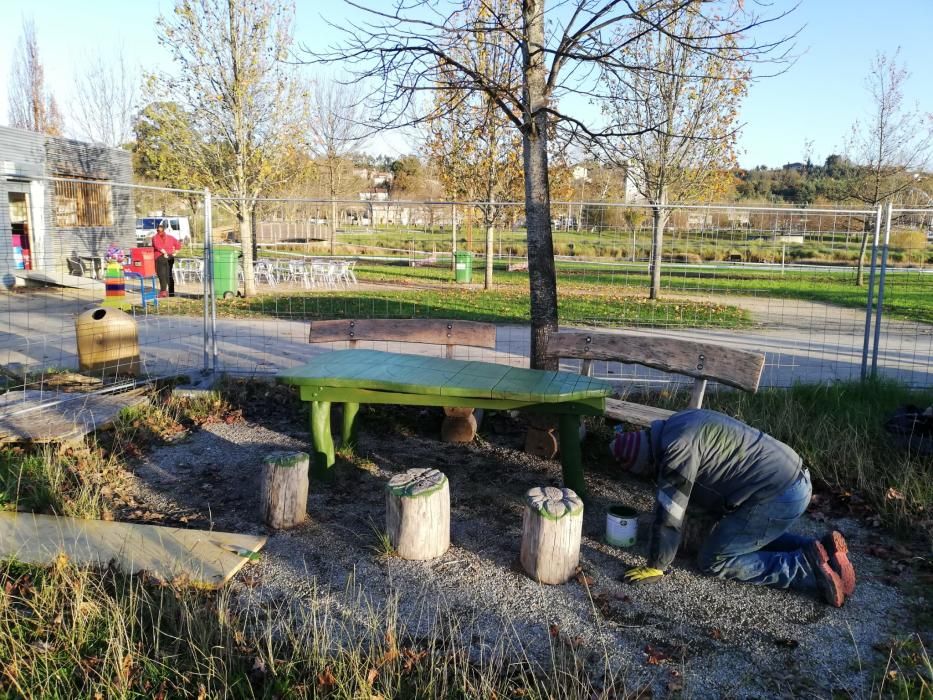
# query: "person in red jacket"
[165,246]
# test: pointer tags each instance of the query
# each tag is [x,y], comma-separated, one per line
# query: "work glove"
[642,574]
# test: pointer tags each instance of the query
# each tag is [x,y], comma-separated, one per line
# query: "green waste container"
[463,266]
[226,264]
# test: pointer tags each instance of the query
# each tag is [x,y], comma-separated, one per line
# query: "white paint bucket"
[621,526]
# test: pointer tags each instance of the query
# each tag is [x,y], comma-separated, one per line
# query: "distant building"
[45,221]
[738,217]
[697,221]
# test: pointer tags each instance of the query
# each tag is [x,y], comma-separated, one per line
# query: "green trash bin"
[463,266]
[226,264]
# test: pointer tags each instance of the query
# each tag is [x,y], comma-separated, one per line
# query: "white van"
[177,226]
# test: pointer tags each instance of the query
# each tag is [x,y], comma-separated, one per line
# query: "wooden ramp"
[196,557]
[61,279]
[42,416]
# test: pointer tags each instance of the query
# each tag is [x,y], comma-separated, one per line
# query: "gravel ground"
[709,637]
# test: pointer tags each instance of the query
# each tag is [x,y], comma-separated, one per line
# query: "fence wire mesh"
[783,281]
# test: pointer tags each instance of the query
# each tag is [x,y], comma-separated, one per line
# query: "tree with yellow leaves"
[472,144]
[680,102]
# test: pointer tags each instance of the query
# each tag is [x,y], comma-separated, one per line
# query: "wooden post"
[541,437]
[551,528]
[459,424]
[284,492]
[418,513]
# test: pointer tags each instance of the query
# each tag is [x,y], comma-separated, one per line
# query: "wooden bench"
[702,361]
[460,423]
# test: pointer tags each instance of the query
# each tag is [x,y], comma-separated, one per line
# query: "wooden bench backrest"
[702,361]
[428,331]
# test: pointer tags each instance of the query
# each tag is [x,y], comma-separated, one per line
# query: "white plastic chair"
[188,270]
[343,272]
[351,275]
[264,270]
[322,272]
[298,271]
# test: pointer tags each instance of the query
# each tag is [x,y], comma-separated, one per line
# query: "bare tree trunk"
[542,279]
[657,244]
[860,269]
[333,225]
[244,214]
[490,243]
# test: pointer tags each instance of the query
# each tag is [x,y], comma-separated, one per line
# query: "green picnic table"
[353,377]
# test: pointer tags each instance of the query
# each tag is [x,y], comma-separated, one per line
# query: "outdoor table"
[372,376]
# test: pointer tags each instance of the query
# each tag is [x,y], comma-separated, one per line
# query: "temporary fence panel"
[776,279]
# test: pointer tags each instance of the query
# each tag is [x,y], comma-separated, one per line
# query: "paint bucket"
[621,526]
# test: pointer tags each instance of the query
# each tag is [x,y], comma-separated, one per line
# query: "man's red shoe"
[838,551]
[827,580]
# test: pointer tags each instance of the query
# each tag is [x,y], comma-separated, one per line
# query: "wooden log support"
[418,513]
[459,424]
[551,528]
[541,437]
[283,497]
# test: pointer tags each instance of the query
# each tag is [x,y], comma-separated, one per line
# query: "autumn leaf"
[325,679]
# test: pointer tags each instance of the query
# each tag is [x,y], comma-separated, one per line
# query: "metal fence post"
[210,298]
[871,291]
[881,279]
[207,278]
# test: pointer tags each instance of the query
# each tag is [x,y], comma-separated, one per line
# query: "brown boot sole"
[838,551]
[827,580]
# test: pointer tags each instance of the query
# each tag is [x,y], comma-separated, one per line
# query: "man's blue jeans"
[752,543]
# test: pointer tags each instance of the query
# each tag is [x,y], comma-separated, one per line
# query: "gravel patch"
[709,638]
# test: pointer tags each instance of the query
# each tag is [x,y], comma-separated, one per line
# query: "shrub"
[908,240]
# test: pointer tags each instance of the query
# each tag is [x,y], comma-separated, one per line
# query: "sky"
[816,100]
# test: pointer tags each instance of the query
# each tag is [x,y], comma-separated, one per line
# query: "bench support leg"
[349,424]
[322,442]
[571,457]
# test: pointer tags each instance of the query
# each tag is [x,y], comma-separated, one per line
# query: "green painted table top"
[416,374]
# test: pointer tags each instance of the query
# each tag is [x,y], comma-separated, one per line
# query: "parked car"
[178,226]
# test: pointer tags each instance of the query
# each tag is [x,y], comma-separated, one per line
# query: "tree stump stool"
[283,496]
[460,424]
[418,513]
[551,528]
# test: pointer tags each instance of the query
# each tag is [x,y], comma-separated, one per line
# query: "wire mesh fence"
[785,281]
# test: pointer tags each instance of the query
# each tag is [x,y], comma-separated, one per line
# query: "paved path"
[803,341]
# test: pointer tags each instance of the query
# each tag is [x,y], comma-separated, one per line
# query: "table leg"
[349,423]
[571,457]
[321,440]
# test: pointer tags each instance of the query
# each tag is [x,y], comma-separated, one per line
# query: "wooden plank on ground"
[42,416]
[198,557]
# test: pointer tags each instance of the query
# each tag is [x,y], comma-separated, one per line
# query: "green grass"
[502,305]
[908,294]
[56,480]
[67,633]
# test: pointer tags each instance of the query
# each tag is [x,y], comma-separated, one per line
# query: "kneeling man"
[756,485]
